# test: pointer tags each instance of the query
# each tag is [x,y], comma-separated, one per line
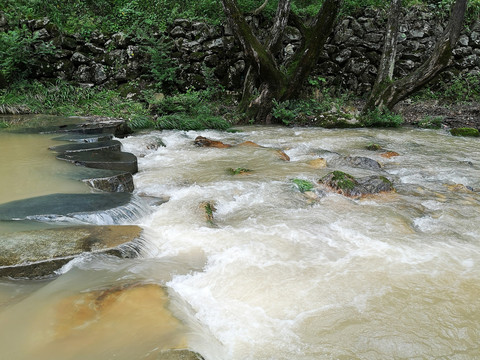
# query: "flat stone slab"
[84,138]
[110,145]
[61,205]
[111,160]
[117,183]
[31,254]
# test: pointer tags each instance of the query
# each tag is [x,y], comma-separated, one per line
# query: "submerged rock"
[347,185]
[282,155]
[39,253]
[111,160]
[116,183]
[319,163]
[389,154]
[363,162]
[201,141]
[111,145]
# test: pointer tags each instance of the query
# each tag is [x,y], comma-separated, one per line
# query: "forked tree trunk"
[265,73]
[387,95]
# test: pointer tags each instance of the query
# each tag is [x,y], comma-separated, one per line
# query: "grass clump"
[430,122]
[303,185]
[381,118]
[465,132]
[194,110]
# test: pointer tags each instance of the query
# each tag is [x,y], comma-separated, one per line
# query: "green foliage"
[303,185]
[373,147]
[238,171]
[430,122]
[343,180]
[463,88]
[162,66]
[194,110]
[465,132]
[182,121]
[3,125]
[63,98]
[381,118]
[290,110]
[18,53]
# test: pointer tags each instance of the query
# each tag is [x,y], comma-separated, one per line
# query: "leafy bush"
[463,88]
[381,118]
[430,122]
[17,53]
[162,67]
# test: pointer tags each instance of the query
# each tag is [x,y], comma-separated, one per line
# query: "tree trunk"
[387,61]
[265,73]
[388,95]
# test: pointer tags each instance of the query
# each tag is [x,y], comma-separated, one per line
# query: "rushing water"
[279,275]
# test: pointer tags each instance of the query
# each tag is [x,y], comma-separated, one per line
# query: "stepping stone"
[111,145]
[56,205]
[32,254]
[83,138]
[110,160]
[117,183]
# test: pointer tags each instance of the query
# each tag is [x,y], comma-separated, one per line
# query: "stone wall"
[203,54]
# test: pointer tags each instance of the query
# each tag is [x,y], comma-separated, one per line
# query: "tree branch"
[260,9]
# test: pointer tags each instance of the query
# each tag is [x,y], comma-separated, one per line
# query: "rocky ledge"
[33,254]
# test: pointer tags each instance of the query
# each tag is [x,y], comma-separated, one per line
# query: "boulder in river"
[40,253]
[465,132]
[347,185]
[201,141]
[111,160]
[363,162]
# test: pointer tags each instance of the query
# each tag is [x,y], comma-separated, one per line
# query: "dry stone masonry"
[203,54]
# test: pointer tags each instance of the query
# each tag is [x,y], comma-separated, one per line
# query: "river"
[278,275]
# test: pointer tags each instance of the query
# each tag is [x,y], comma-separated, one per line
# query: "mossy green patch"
[373,147]
[465,132]
[303,185]
[238,171]
[343,180]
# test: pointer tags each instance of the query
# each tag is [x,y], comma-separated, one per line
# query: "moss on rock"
[466,131]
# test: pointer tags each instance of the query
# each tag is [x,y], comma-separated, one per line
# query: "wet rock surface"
[55,205]
[84,138]
[39,253]
[109,160]
[117,183]
[350,186]
[110,145]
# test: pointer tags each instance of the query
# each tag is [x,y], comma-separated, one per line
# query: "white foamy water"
[281,276]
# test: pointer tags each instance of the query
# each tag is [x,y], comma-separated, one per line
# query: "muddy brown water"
[279,275]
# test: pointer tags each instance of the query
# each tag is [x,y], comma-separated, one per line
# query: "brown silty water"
[279,274]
